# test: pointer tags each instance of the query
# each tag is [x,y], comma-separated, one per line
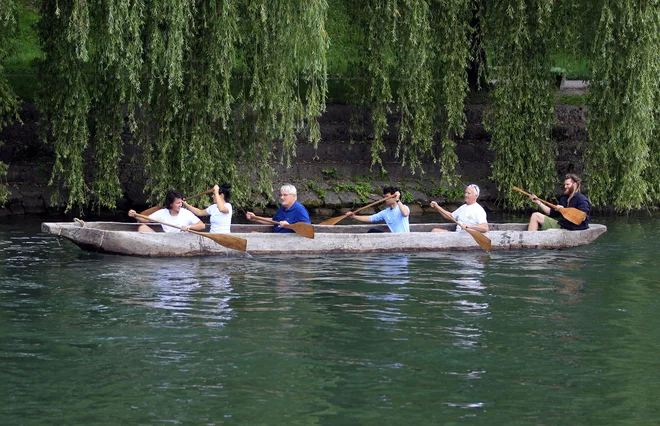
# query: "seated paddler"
[174,214]
[469,216]
[290,211]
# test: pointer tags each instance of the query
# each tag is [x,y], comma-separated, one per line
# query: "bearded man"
[572,198]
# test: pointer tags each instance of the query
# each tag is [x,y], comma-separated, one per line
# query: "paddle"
[154,209]
[570,213]
[480,238]
[334,220]
[300,228]
[229,241]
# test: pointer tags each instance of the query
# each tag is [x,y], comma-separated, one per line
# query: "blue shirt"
[396,221]
[294,214]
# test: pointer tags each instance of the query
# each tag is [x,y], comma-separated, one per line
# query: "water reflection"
[188,289]
[393,278]
[469,292]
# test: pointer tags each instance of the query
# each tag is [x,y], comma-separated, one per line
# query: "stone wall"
[343,156]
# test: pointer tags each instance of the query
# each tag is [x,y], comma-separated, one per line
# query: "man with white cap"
[470,215]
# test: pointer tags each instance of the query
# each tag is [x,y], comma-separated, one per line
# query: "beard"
[570,190]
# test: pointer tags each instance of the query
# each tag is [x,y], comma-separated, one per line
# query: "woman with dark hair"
[220,211]
[172,214]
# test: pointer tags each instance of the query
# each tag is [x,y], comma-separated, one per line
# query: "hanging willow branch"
[206,92]
[8,102]
[522,111]
[623,112]
[454,32]
[65,100]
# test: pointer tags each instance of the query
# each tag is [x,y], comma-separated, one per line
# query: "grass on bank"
[24,51]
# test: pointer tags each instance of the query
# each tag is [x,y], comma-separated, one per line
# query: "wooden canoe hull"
[123,239]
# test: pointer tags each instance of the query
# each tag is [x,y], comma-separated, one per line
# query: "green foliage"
[66,99]
[363,187]
[164,74]
[440,191]
[622,155]
[406,196]
[332,173]
[207,92]
[4,191]
[522,111]
[8,102]
[313,186]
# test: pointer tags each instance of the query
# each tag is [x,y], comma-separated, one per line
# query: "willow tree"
[202,89]
[522,110]
[622,158]
[415,63]
[8,104]
[204,92]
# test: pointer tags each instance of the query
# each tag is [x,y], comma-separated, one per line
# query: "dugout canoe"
[123,238]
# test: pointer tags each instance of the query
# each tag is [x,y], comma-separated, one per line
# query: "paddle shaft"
[515,188]
[151,219]
[153,209]
[334,220]
[301,228]
[228,241]
[374,203]
[571,214]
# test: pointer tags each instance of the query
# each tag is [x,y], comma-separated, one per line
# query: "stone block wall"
[343,153]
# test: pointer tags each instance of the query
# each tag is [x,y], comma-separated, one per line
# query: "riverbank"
[332,178]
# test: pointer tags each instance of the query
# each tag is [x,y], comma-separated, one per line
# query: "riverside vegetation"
[205,90]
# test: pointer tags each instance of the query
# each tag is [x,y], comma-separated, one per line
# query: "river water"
[524,337]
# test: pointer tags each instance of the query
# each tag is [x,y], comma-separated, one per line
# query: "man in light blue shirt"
[395,215]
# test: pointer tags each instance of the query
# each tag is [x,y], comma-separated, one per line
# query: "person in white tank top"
[220,211]
[470,215]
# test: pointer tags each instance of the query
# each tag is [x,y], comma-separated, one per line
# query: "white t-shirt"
[469,215]
[220,222]
[184,218]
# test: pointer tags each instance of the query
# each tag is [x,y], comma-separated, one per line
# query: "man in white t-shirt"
[470,215]
[172,214]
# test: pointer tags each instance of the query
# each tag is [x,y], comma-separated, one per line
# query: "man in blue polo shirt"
[395,215]
[291,211]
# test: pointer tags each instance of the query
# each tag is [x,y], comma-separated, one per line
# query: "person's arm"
[360,218]
[198,226]
[219,200]
[482,227]
[195,210]
[131,213]
[435,206]
[252,218]
[545,209]
[481,218]
[193,221]
[405,211]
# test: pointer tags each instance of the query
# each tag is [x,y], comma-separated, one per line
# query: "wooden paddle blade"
[333,221]
[304,229]
[229,241]
[481,239]
[151,210]
[573,215]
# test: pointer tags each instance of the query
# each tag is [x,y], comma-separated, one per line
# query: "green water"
[526,337]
